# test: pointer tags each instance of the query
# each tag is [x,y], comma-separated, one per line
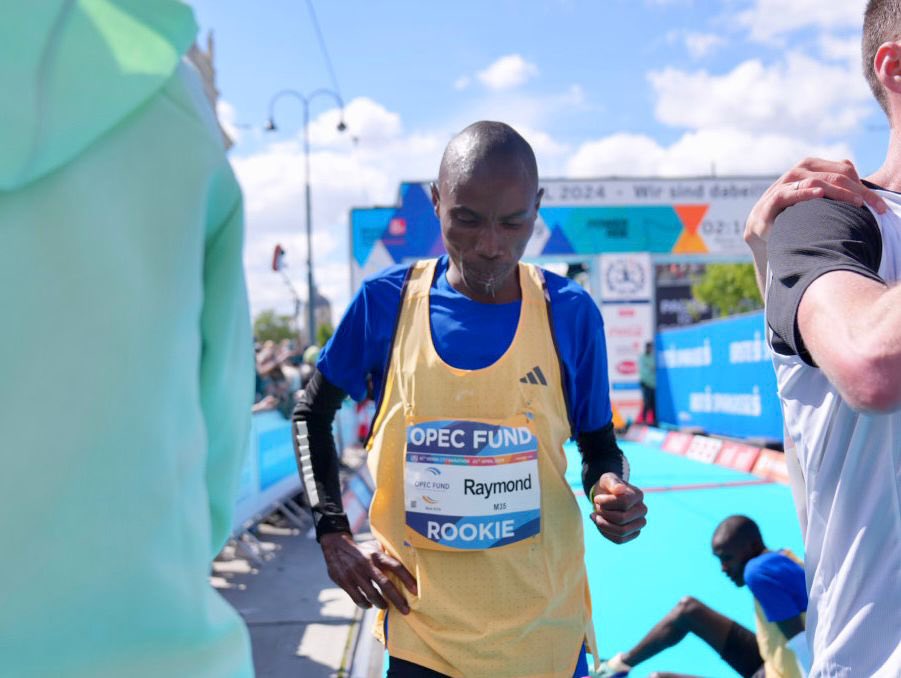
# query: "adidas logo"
[534,376]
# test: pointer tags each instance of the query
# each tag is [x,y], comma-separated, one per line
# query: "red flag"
[278,258]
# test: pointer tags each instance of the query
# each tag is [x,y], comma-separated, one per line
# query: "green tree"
[269,326]
[323,333]
[728,289]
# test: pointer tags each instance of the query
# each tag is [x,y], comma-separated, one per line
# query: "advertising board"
[717,376]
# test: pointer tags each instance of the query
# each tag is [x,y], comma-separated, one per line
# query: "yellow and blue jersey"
[470,335]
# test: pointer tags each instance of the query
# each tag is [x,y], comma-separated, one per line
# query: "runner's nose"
[489,244]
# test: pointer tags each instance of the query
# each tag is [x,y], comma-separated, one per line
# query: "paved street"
[300,623]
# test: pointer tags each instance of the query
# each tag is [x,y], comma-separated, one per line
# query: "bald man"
[482,368]
[775,579]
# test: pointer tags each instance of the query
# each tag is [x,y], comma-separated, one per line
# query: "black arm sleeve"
[600,455]
[808,240]
[317,458]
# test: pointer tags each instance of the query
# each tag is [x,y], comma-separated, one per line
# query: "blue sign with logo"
[718,376]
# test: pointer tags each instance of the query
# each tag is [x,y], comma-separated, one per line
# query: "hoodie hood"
[71,70]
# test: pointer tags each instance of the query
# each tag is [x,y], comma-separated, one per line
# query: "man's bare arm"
[851,325]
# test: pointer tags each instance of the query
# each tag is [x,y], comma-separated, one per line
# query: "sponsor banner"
[717,376]
[771,465]
[627,402]
[626,277]
[676,307]
[636,433]
[738,456]
[364,475]
[627,328]
[654,437]
[358,488]
[276,454]
[667,216]
[677,442]
[357,497]
[269,473]
[471,484]
[704,449]
[357,514]
[247,481]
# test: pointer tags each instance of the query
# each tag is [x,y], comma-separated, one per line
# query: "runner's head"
[880,45]
[487,200]
[735,541]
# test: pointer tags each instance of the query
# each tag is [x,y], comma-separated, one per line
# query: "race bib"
[471,485]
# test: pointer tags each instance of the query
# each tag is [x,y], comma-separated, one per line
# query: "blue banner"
[276,453]
[269,474]
[718,376]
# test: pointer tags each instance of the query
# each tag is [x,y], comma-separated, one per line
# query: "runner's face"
[486,220]
[732,561]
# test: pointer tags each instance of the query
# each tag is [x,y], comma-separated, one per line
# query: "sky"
[599,88]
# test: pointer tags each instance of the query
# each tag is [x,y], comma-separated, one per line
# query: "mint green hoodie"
[125,351]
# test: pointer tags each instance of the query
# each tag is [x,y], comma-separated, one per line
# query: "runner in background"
[647,376]
[775,579]
[482,368]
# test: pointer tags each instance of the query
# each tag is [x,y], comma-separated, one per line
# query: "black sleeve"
[808,240]
[317,458]
[600,455]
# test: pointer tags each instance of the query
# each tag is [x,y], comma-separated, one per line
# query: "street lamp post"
[271,126]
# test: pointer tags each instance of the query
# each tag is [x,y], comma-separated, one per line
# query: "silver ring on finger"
[798,185]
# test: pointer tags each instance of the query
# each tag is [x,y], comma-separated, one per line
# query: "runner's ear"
[436,196]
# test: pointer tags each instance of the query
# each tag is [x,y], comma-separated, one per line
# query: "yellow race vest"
[471,497]
[778,660]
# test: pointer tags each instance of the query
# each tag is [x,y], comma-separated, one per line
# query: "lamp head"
[341,126]
[270,125]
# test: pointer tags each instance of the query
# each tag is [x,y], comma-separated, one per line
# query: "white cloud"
[841,49]
[522,110]
[576,94]
[616,155]
[507,72]
[800,96]
[346,175]
[727,150]
[770,19]
[700,45]
[462,82]
[365,119]
[530,115]
[342,175]
[227,118]
[753,119]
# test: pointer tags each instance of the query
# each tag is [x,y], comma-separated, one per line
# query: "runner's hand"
[619,509]
[810,178]
[360,569]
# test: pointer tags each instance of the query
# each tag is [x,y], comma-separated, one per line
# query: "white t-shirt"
[850,462]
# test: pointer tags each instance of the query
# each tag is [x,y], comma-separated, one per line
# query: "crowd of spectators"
[282,370]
